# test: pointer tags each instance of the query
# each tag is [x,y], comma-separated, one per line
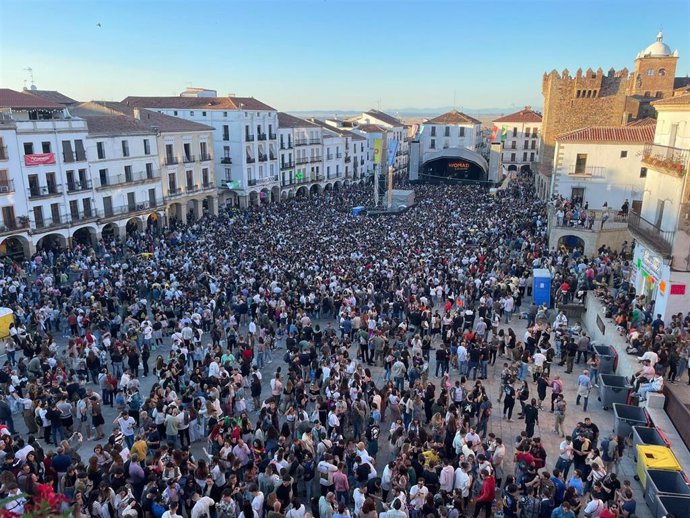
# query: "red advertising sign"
[39,159]
[677,289]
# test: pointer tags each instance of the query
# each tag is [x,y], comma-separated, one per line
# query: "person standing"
[556,389]
[508,401]
[565,457]
[531,417]
[559,415]
[487,494]
[584,387]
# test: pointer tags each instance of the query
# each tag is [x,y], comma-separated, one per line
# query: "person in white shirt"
[462,480]
[359,495]
[202,505]
[651,356]
[418,494]
[257,500]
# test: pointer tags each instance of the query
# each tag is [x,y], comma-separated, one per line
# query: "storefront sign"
[39,159]
[652,263]
[677,289]
[459,166]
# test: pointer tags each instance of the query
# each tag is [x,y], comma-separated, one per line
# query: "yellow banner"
[378,149]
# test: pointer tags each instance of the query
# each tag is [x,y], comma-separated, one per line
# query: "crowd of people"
[343,316]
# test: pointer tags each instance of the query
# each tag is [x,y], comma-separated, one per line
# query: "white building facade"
[449,130]
[245,140]
[395,130]
[661,263]
[301,155]
[520,133]
[601,165]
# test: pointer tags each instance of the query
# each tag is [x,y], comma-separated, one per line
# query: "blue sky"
[328,54]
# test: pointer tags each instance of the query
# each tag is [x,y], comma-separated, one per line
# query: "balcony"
[301,142]
[272,136]
[314,141]
[205,157]
[14,225]
[587,172]
[124,210]
[287,165]
[52,222]
[3,153]
[263,158]
[339,155]
[301,160]
[348,158]
[6,187]
[665,159]
[261,136]
[271,156]
[83,216]
[78,186]
[187,159]
[171,160]
[45,191]
[208,185]
[252,182]
[226,160]
[192,189]
[329,157]
[175,192]
[316,159]
[119,179]
[251,160]
[248,137]
[226,137]
[661,240]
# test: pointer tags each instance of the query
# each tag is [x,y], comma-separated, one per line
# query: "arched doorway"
[192,211]
[175,214]
[328,187]
[253,199]
[153,222]
[302,192]
[54,242]
[525,168]
[16,248]
[109,231]
[512,167]
[571,242]
[265,196]
[133,225]
[84,236]
[275,194]
[336,186]
[315,189]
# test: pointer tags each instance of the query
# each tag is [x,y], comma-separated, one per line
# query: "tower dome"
[657,49]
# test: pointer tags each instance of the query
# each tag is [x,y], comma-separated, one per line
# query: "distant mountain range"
[410,112]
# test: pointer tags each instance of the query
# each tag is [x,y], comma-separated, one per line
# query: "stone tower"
[655,70]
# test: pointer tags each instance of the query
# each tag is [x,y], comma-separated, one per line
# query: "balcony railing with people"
[666,159]
[651,233]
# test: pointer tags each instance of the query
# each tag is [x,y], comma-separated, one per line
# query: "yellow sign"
[378,149]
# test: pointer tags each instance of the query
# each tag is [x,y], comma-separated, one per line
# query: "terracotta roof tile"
[54,96]
[526,115]
[647,121]
[680,99]
[22,100]
[384,117]
[285,120]
[453,117]
[198,103]
[611,134]
[371,128]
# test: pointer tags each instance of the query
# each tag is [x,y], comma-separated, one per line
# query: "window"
[128,173]
[524,156]
[514,132]
[534,144]
[581,163]
[643,172]
[189,175]
[526,145]
[147,147]
[28,148]
[447,131]
[650,71]
[46,147]
[175,113]
[149,170]
[203,114]
[433,131]
[100,150]
[659,94]
[226,151]
[74,209]
[191,114]
[172,183]
[125,148]
[226,132]
[662,72]
[103,176]
[624,154]
[531,157]
[79,150]
[512,157]
[513,145]
[108,205]
[432,144]
[225,114]
[526,132]
[462,132]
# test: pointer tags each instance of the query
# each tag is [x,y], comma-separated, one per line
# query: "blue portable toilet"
[541,290]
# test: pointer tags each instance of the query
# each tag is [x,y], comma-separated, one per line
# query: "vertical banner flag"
[392,148]
[504,133]
[378,149]
[494,134]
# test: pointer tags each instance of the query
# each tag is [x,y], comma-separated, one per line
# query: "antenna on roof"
[31,77]
[378,103]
